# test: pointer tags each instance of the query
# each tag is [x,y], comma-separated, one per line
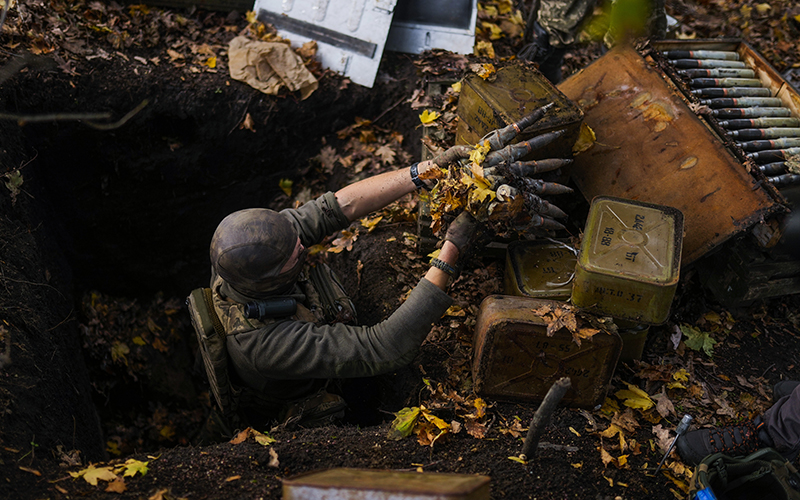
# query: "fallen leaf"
[32,471]
[116,486]
[91,474]
[428,117]
[132,467]
[403,423]
[635,397]
[232,478]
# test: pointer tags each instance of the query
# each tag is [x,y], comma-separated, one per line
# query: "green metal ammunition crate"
[515,359]
[541,269]
[350,484]
[629,261]
[515,92]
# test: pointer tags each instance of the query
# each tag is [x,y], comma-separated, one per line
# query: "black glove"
[461,231]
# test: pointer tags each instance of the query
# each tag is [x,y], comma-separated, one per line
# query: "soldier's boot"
[323,408]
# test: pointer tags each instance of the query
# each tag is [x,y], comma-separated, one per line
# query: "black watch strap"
[415,177]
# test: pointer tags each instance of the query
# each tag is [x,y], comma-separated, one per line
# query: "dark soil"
[117,224]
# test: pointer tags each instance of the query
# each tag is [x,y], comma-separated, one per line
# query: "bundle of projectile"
[759,121]
[492,182]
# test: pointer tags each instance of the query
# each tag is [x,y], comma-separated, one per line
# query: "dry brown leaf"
[116,486]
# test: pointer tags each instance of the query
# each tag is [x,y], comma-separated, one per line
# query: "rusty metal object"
[707,63]
[760,123]
[724,82]
[732,92]
[652,147]
[750,112]
[766,133]
[728,55]
[719,73]
[515,359]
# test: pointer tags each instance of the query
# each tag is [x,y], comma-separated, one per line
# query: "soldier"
[285,362]
[778,428]
[558,23]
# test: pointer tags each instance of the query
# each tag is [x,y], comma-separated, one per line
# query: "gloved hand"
[461,231]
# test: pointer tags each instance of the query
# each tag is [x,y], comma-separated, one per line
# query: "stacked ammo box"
[670,130]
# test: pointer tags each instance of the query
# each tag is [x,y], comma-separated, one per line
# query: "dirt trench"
[129,212]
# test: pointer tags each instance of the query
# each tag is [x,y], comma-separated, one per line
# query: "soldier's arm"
[374,193]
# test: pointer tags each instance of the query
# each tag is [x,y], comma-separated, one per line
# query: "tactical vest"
[214,318]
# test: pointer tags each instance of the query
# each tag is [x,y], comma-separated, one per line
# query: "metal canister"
[540,268]
[629,260]
[514,358]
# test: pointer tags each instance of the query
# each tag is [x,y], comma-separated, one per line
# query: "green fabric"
[277,358]
[287,359]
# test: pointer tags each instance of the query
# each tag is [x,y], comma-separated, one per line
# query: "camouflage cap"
[249,249]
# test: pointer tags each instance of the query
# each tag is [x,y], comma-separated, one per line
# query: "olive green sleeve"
[317,219]
[299,350]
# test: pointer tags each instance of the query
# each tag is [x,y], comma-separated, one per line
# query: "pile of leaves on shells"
[647,398]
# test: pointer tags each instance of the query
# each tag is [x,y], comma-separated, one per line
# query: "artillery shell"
[539,222]
[785,180]
[760,122]
[754,112]
[702,54]
[528,168]
[520,149]
[724,82]
[770,144]
[707,63]
[765,133]
[733,92]
[500,137]
[743,102]
[538,186]
[719,73]
[774,168]
[773,155]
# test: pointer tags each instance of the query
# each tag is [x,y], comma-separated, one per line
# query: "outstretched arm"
[374,193]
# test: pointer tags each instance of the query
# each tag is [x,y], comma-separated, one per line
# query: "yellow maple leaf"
[211,62]
[250,16]
[139,340]
[763,8]
[132,467]
[457,86]
[286,186]
[428,117]
[634,397]
[92,474]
